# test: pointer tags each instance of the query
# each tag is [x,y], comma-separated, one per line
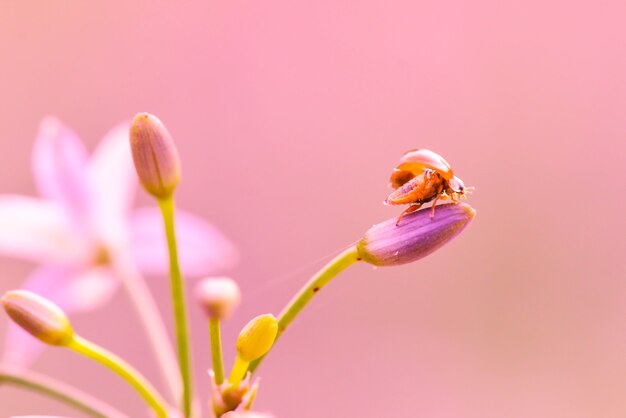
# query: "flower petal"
[85,291]
[202,248]
[59,159]
[72,290]
[113,182]
[20,348]
[38,230]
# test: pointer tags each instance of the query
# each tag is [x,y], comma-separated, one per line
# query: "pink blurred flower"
[83,225]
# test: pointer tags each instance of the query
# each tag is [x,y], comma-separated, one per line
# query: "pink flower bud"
[155,155]
[388,244]
[218,296]
[38,316]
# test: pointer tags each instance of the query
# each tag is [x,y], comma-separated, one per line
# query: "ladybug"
[423,176]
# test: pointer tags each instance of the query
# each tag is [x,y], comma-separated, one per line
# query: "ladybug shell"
[414,162]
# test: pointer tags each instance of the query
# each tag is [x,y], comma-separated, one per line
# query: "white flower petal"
[59,160]
[39,230]
[85,291]
[113,182]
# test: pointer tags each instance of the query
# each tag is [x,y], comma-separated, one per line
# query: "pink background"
[289,116]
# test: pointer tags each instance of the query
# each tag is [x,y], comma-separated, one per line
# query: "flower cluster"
[89,241]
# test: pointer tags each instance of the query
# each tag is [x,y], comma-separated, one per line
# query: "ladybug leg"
[408,210]
[432,212]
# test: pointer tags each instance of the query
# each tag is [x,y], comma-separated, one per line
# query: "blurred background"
[289,117]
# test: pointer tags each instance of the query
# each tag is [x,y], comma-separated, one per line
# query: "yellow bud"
[257,337]
[38,316]
[155,155]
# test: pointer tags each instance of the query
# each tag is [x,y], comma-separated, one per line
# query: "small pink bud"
[388,244]
[155,155]
[38,316]
[218,296]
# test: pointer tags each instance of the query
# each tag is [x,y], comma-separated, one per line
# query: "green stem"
[216,350]
[153,324]
[178,301]
[123,369]
[61,392]
[310,289]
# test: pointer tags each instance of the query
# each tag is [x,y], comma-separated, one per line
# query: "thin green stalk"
[178,301]
[310,289]
[124,370]
[153,324]
[216,350]
[61,392]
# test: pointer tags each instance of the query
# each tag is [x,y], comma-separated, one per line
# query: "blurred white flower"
[83,225]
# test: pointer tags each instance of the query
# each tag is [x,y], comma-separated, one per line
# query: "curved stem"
[310,289]
[61,392]
[216,350]
[240,368]
[123,369]
[178,301]
[155,328]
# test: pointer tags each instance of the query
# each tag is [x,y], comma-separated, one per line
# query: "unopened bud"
[388,244]
[218,296]
[155,155]
[257,337]
[38,316]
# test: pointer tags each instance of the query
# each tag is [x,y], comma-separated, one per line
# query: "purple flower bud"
[155,155]
[417,236]
[38,316]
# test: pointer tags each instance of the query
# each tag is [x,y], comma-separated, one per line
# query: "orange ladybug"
[423,176]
